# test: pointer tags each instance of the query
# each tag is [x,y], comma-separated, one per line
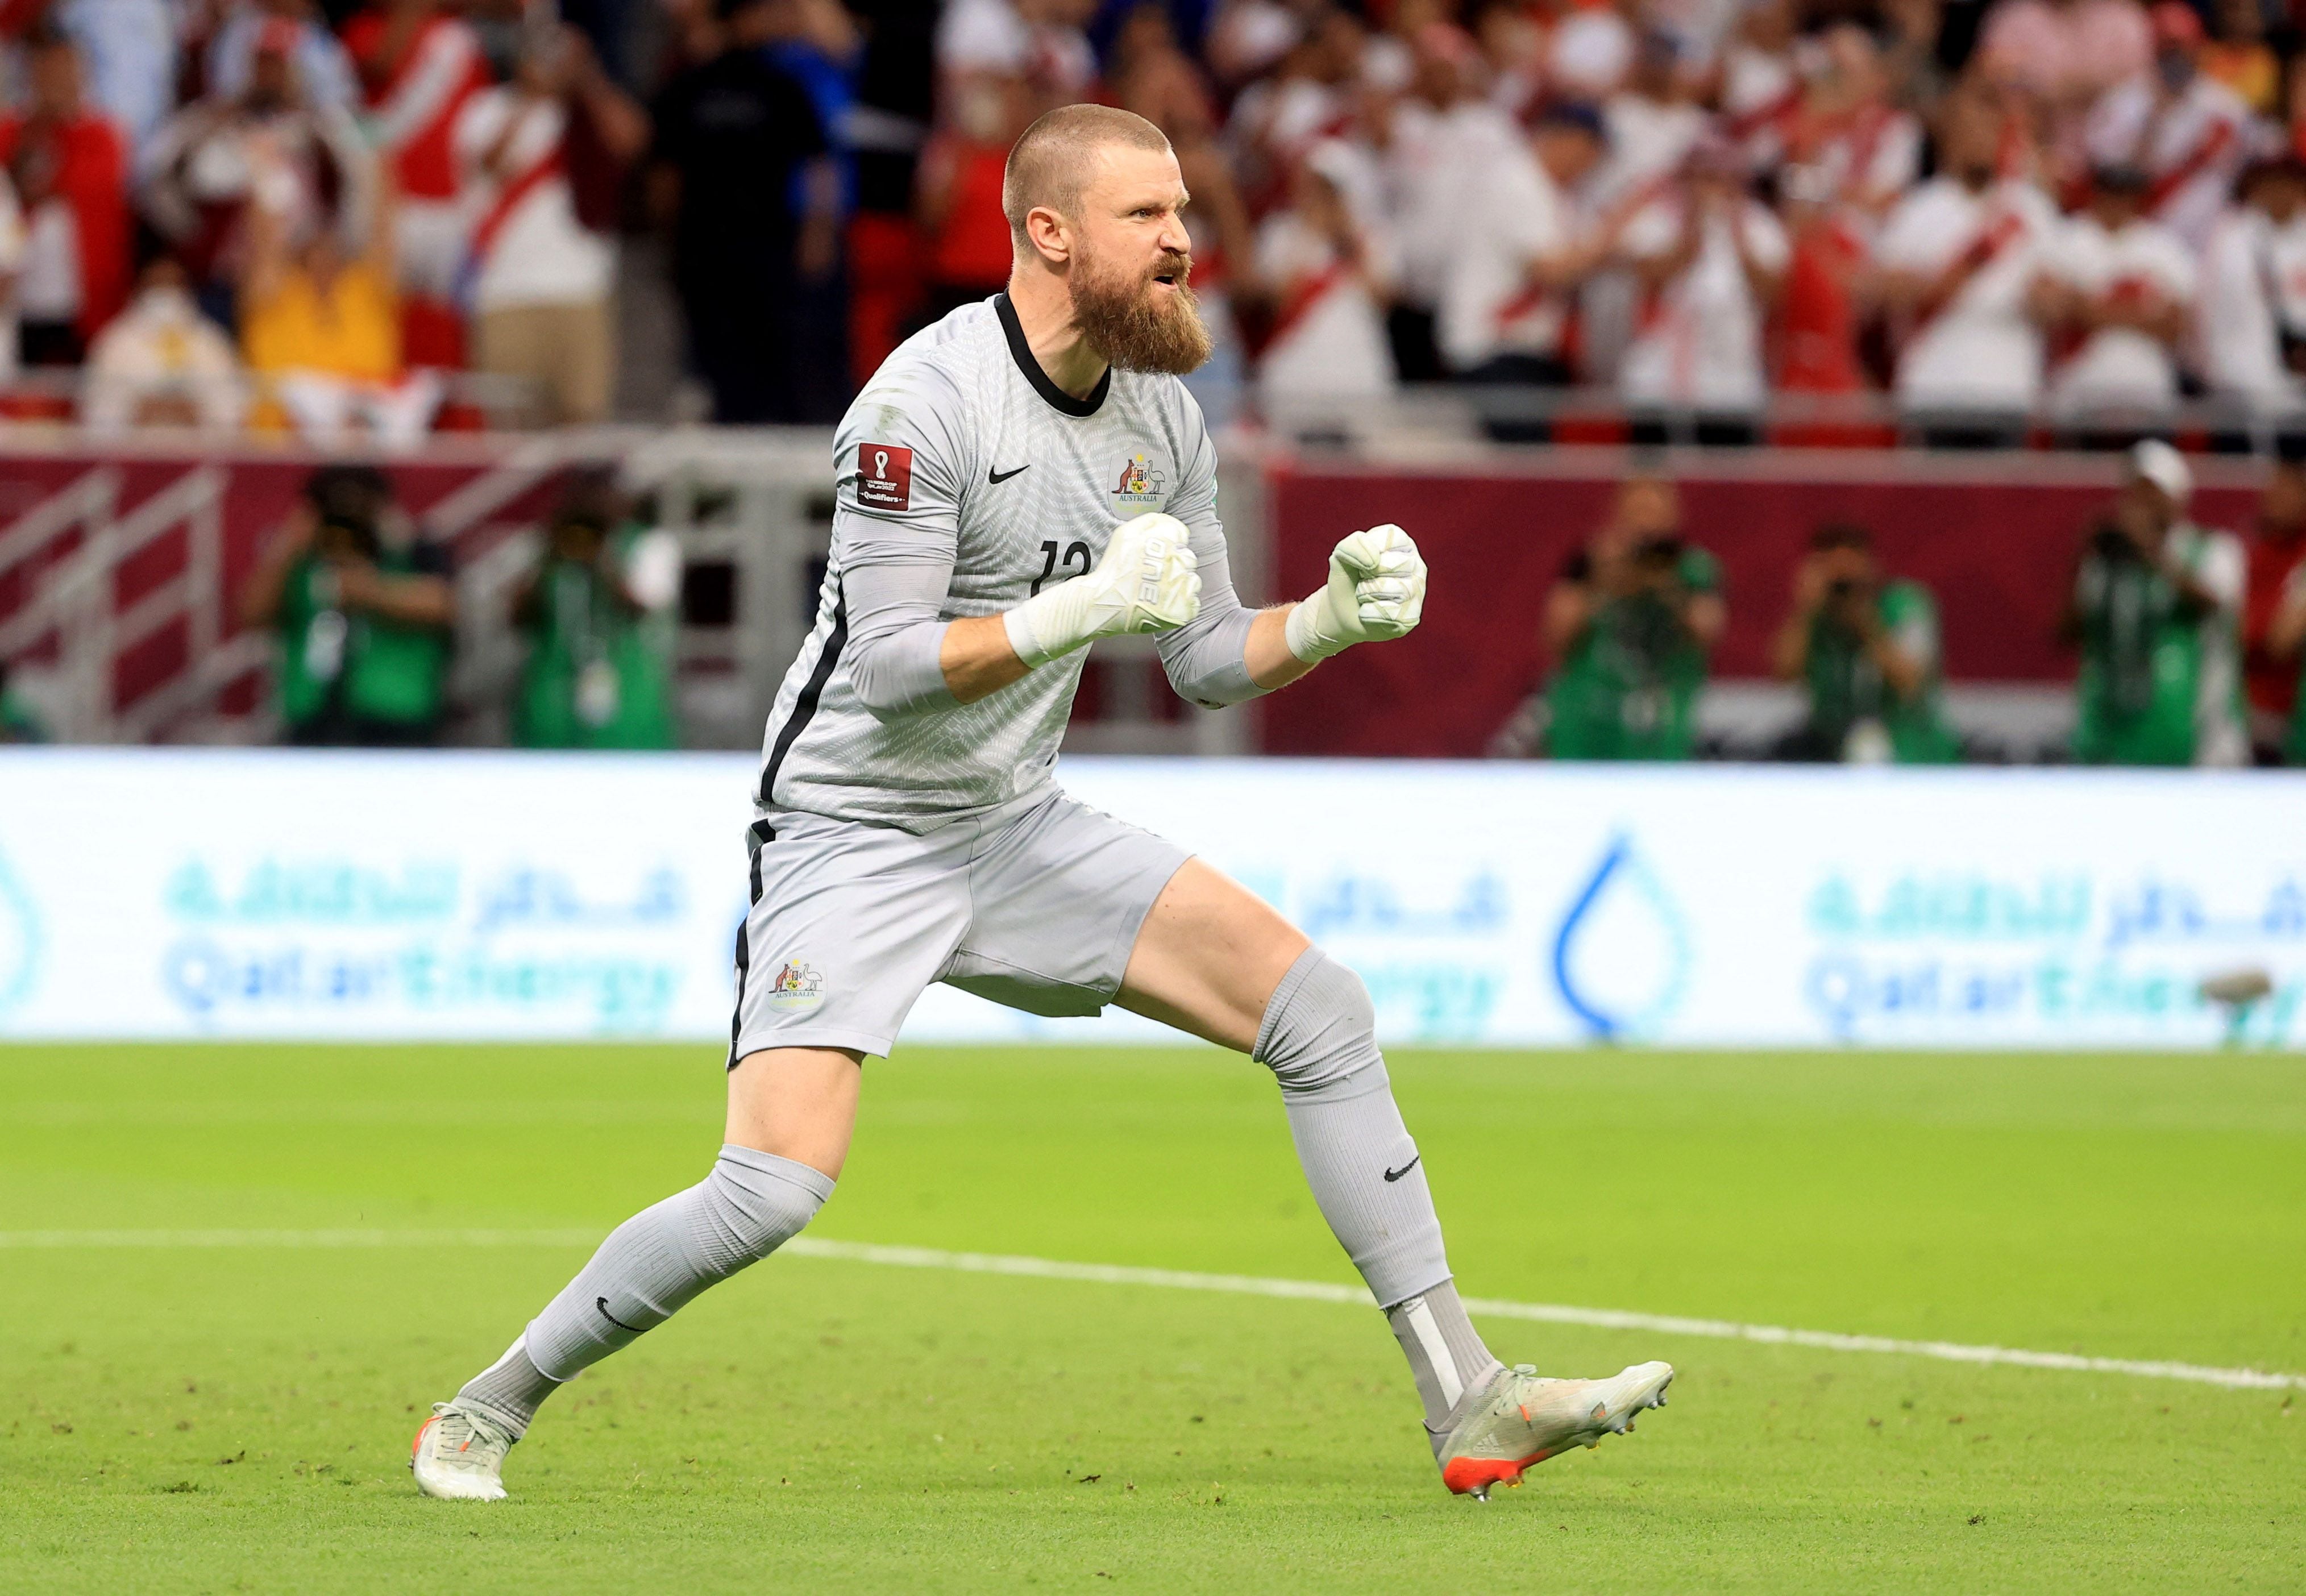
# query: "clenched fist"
[1376,590]
[1145,582]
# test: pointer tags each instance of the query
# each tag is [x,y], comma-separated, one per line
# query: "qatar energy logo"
[1620,958]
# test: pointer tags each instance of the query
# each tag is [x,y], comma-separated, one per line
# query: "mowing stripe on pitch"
[1249,1286]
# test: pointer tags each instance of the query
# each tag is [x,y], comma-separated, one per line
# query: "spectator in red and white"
[1821,314]
[1710,261]
[1446,150]
[1958,258]
[254,27]
[200,172]
[2067,52]
[2251,317]
[2190,134]
[1844,128]
[540,282]
[160,362]
[1593,50]
[1314,95]
[1757,82]
[1652,124]
[2123,286]
[1247,38]
[130,50]
[1325,265]
[1512,46]
[69,164]
[1521,246]
[419,65]
[1039,40]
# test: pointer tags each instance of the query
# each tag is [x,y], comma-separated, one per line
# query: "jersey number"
[1077,551]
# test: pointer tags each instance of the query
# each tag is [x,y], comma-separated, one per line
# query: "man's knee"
[1319,1032]
[751,1204]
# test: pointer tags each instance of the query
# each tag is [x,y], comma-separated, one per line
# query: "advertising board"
[162,893]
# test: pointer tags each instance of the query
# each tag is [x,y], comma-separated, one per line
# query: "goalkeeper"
[1019,479]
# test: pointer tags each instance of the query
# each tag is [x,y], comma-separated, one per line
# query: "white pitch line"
[1249,1286]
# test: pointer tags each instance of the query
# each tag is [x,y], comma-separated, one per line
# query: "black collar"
[1022,353]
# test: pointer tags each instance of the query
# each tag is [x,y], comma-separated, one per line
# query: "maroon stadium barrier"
[163,535]
[1993,536]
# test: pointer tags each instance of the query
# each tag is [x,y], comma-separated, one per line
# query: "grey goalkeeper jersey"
[961,458]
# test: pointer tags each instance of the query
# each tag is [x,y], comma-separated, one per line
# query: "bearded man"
[1021,479]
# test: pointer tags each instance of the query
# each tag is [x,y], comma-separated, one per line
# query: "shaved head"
[1055,158]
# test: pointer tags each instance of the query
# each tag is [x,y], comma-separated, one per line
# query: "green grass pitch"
[236,1418]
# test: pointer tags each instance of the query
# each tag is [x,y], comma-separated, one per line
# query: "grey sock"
[1445,1354]
[653,1264]
[510,1388]
[1319,1037]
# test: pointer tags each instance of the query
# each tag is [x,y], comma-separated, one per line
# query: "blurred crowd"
[296,214]
[302,216]
[2190,641]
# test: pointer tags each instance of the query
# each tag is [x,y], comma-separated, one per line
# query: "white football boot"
[1521,1417]
[459,1454]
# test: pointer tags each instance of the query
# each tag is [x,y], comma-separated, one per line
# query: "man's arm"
[1789,650]
[904,658]
[261,593]
[418,598]
[1229,652]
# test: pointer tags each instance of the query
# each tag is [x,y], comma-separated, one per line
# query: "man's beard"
[1133,325]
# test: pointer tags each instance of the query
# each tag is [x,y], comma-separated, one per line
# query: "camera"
[2109,541]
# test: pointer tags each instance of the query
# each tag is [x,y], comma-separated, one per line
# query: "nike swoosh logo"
[1392,1175]
[602,1304]
[997,477]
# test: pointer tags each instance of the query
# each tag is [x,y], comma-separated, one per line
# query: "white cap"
[2155,461]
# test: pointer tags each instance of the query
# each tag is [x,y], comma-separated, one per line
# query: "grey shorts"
[850,923]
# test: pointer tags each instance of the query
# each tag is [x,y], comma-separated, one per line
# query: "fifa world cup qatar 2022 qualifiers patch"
[885,476]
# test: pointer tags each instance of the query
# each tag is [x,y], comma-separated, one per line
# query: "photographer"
[1631,620]
[365,611]
[1868,652]
[598,613]
[2156,608]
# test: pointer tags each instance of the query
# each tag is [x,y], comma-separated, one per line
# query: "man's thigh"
[848,924]
[1057,898]
[1208,957]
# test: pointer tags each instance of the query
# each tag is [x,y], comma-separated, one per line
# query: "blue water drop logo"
[20,939]
[1621,958]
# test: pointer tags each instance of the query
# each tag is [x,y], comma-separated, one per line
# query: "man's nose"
[1174,236]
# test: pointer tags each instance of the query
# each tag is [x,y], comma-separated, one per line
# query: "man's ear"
[1051,235]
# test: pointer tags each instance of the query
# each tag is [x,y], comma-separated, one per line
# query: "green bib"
[1846,687]
[597,676]
[2141,670]
[369,667]
[1628,690]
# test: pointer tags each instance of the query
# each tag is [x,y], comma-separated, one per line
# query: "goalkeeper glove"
[1145,583]
[1376,590]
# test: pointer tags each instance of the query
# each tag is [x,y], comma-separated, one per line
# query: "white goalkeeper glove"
[1145,583]
[1376,590]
